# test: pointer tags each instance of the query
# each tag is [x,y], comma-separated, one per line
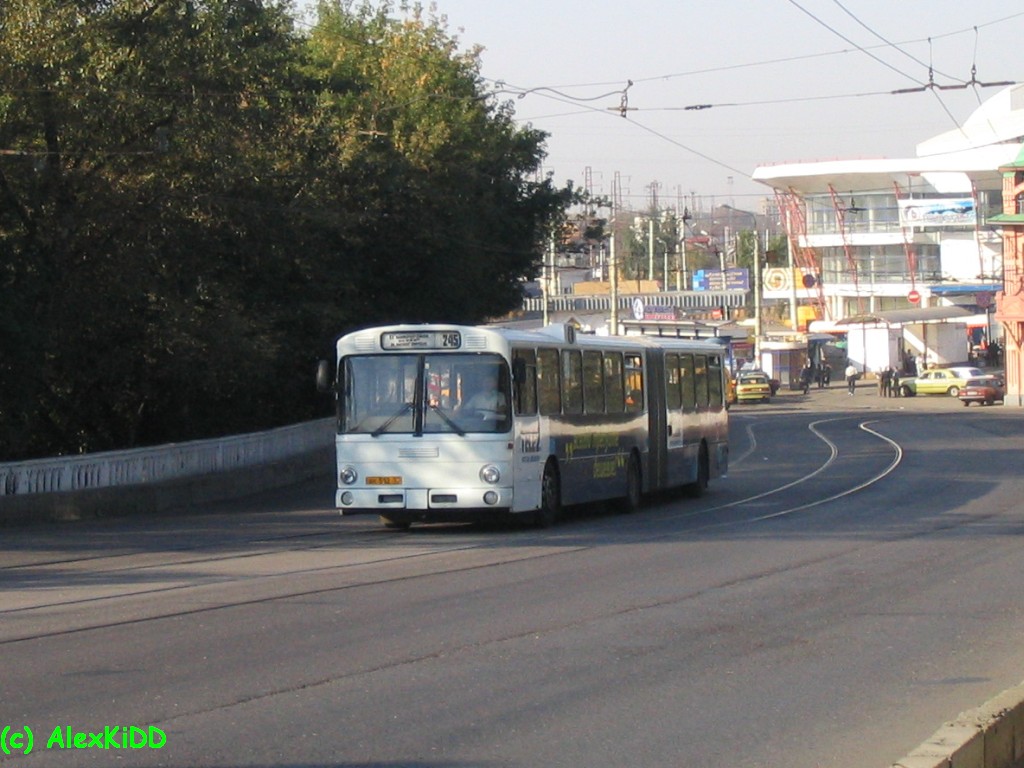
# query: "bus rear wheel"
[697,487]
[633,499]
[550,498]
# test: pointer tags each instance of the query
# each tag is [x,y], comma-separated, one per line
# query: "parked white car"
[970,372]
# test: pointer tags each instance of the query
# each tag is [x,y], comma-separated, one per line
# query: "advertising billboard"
[937,212]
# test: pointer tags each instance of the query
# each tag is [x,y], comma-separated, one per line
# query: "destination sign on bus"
[421,340]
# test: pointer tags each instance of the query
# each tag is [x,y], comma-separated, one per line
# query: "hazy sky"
[790,80]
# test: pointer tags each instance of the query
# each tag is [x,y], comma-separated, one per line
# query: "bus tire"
[550,511]
[394,525]
[697,488]
[633,499]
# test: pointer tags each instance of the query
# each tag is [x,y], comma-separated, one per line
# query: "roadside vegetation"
[197,196]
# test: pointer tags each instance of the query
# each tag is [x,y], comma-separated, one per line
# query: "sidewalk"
[837,397]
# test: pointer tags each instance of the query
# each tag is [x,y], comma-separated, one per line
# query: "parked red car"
[983,391]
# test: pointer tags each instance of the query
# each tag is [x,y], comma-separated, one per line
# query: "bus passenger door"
[527,456]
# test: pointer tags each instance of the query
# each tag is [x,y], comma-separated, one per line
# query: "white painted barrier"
[140,466]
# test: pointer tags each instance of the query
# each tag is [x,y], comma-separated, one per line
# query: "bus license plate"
[388,480]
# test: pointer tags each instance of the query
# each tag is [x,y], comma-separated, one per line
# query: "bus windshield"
[424,394]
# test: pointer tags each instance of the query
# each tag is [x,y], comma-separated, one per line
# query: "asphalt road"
[852,584]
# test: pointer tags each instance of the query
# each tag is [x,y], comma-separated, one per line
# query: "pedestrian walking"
[851,377]
[826,376]
[894,382]
[806,376]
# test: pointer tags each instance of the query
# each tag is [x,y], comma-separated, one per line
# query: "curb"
[989,736]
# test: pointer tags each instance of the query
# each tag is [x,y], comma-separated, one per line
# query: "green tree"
[128,140]
[194,199]
[431,173]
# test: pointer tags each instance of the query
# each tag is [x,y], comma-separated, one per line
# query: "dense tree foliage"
[196,196]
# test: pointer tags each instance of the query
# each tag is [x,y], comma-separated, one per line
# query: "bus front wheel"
[550,498]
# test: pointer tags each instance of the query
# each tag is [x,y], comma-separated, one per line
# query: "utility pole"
[683,280]
[613,281]
[549,272]
[757,294]
[650,248]
[681,274]
[613,265]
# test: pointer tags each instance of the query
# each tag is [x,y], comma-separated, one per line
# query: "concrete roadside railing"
[164,477]
[991,736]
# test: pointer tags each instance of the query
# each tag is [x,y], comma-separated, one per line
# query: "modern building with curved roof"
[869,236]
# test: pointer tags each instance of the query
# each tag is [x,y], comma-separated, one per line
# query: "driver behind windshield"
[480,393]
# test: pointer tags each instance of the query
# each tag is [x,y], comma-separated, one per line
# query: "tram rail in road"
[98,613]
[990,735]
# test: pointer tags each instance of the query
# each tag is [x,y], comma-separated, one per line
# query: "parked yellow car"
[753,386]
[939,381]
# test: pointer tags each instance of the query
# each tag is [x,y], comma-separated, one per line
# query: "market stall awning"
[905,316]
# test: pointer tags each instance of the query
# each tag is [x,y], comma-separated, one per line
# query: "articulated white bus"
[443,423]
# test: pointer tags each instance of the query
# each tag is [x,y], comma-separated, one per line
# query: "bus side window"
[634,383]
[524,373]
[548,387]
[715,393]
[572,381]
[614,394]
[673,392]
[689,382]
[701,378]
[593,382]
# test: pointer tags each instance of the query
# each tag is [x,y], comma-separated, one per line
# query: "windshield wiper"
[448,420]
[384,427]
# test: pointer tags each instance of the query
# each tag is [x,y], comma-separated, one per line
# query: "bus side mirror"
[323,377]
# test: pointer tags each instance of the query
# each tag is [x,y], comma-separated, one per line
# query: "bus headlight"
[348,476]
[491,498]
[346,498]
[490,474]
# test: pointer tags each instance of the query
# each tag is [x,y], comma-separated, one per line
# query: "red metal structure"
[805,258]
[851,262]
[908,244]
